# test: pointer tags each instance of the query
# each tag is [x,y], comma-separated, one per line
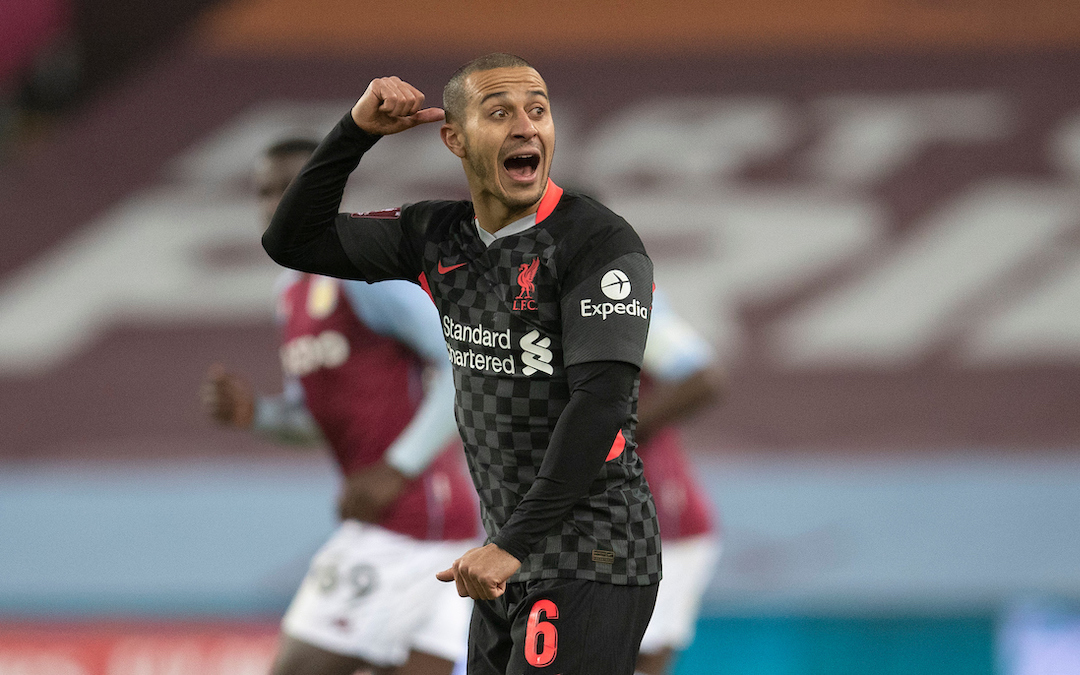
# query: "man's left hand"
[481,573]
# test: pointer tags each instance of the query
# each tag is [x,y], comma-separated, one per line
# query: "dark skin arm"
[227,398]
[668,403]
[367,492]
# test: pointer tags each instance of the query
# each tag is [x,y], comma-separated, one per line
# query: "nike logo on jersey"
[444,270]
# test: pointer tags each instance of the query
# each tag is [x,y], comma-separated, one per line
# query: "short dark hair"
[291,146]
[454,97]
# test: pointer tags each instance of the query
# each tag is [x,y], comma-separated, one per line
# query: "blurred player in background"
[679,377]
[366,373]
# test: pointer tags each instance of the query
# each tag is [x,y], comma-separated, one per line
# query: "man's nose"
[523,125]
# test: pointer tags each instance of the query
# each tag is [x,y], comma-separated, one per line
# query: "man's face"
[272,176]
[507,136]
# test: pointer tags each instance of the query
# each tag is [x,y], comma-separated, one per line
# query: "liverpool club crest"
[526,297]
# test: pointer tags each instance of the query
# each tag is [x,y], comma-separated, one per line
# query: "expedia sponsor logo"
[304,355]
[615,284]
[535,355]
[606,309]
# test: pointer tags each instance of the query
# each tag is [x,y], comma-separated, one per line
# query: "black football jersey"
[570,290]
[576,287]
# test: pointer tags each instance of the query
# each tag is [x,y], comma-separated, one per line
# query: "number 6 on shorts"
[537,629]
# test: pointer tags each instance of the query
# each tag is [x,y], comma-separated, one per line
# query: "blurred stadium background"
[871,207]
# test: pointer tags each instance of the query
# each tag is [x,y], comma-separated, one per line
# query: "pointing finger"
[445,575]
[428,115]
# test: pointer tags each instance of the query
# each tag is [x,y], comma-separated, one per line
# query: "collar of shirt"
[516,227]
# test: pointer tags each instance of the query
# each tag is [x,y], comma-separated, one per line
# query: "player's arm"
[402,311]
[602,358]
[307,233]
[602,354]
[684,370]
[285,418]
[230,400]
[598,409]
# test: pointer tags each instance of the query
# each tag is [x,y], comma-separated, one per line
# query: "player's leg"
[490,643]
[366,594]
[654,663]
[441,638]
[420,663]
[577,626]
[296,657]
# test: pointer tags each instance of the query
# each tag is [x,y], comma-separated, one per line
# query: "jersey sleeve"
[675,350]
[285,418]
[599,403]
[380,244]
[403,311]
[606,315]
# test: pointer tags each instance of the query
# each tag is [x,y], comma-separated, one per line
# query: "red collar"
[551,198]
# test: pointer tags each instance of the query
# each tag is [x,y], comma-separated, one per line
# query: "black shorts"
[560,627]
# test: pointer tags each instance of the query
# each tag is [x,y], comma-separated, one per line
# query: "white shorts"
[688,566]
[372,593]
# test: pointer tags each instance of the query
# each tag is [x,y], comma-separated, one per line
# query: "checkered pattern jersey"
[510,343]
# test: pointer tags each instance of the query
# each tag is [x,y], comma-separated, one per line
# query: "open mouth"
[522,166]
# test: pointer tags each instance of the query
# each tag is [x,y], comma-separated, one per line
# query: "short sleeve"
[606,315]
[675,351]
[402,311]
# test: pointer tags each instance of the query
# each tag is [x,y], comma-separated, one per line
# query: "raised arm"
[305,232]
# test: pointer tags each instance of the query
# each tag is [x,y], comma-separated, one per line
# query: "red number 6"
[537,628]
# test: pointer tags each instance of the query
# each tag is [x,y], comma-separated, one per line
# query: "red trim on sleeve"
[424,285]
[382,214]
[617,447]
[551,198]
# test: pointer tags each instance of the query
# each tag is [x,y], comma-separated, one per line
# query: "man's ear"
[453,138]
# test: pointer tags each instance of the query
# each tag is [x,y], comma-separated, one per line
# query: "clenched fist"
[391,105]
[227,398]
[481,573]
